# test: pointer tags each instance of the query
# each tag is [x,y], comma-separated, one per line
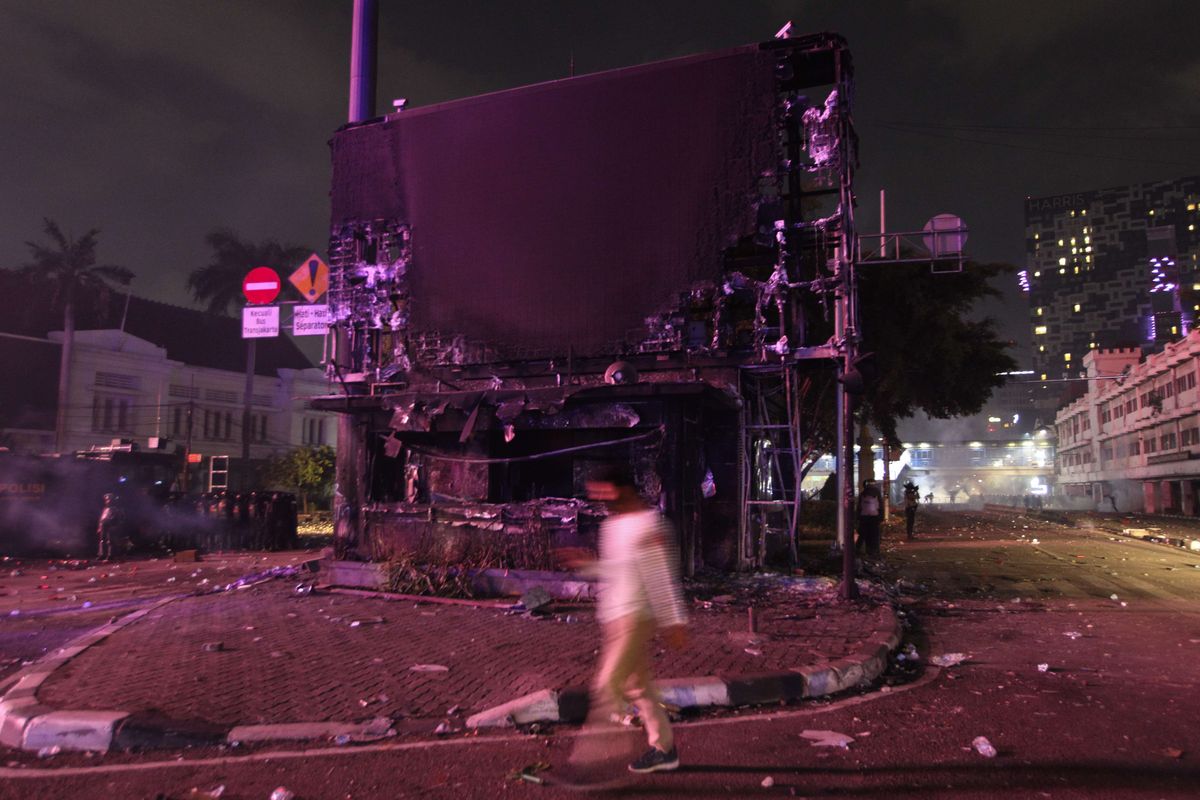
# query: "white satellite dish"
[945,235]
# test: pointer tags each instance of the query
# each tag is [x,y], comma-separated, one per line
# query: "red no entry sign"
[261,285]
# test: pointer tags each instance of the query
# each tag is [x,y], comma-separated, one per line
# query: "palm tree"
[68,268]
[220,282]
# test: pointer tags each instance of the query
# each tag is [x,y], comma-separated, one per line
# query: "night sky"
[158,120]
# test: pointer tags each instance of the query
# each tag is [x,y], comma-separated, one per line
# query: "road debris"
[212,647]
[949,659]
[535,600]
[428,668]
[768,782]
[529,773]
[282,793]
[983,747]
[1072,634]
[828,739]
[1043,667]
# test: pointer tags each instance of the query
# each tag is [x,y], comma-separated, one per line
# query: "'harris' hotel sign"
[1059,202]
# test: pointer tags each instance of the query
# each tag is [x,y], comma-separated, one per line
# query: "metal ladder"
[769,460]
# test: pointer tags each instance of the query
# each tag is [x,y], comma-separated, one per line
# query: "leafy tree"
[930,355]
[219,283]
[308,471]
[67,267]
[937,359]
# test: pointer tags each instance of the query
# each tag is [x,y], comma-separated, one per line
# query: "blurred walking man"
[639,594]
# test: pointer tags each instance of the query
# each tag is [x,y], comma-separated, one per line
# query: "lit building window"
[1087,240]
[1038,273]
[1174,330]
[1077,306]
[1039,330]
[1042,347]
[1060,242]
[1192,227]
[1077,270]
[1072,212]
[1091,345]
[1152,212]
[1066,356]
[1072,238]
[1043,377]
[1062,262]
[1088,259]
[1083,212]
[1191,206]
[1062,270]
[1039,311]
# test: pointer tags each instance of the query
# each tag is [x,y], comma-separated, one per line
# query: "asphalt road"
[1110,715]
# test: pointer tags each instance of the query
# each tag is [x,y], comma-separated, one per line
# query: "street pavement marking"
[930,675]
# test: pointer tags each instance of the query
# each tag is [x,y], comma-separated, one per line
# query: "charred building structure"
[635,265]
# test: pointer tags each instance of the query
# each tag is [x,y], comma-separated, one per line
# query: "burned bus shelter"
[628,265]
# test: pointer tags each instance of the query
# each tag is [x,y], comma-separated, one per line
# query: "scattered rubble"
[983,747]
[828,739]
[534,601]
[949,659]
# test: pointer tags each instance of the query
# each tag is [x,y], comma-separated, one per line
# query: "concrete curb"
[813,680]
[26,724]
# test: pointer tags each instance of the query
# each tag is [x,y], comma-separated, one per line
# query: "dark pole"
[247,428]
[187,448]
[849,588]
[363,59]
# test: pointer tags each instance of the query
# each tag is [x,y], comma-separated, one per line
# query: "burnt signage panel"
[558,217]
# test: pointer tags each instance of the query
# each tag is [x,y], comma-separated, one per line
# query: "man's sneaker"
[655,760]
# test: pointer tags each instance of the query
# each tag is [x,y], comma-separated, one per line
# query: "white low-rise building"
[173,375]
[1132,441]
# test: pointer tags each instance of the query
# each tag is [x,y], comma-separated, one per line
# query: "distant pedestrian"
[912,498]
[640,594]
[106,528]
[870,512]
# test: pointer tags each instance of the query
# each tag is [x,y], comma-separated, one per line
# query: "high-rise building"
[1110,268]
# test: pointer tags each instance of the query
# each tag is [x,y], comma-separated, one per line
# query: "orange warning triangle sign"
[311,278]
